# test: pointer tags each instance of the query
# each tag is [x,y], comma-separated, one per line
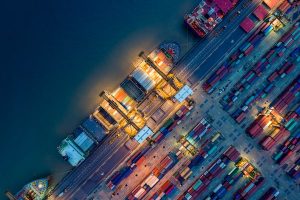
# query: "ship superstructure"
[35,190]
[208,14]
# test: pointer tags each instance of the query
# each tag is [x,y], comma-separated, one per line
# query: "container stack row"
[116,179]
[271,194]
[249,189]
[294,172]
[202,128]
[165,191]
[183,173]
[229,181]
[271,140]
[208,148]
[292,119]
[213,171]
[287,96]
[240,114]
[287,149]
[155,176]
[287,67]
[253,41]
[183,112]
[134,161]
[257,127]
[253,74]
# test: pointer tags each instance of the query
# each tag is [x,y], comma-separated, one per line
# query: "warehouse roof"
[143,134]
[260,12]
[247,25]
[183,93]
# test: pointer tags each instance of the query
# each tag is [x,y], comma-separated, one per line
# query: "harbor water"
[56,57]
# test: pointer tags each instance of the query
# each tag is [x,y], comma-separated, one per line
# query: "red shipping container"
[253,129]
[280,105]
[215,80]
[267,143]
[220,69]
[286,157]
[223,73]
[249,50]
[288,34]
[292,115]
[264,26]
[280,135]
[268,55]
[273,76]
[241,117]
[289,98]
[290,69]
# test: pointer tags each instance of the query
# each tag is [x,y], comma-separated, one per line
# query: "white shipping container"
[217,188]
[140,193]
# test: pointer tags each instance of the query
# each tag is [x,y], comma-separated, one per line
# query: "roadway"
[208,52]
[82,180]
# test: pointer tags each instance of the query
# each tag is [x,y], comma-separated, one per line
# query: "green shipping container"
[197,184]
[278,155]
[168,123]
[291,128]
[264,95]
[212,150]
[247,86]
[289,123]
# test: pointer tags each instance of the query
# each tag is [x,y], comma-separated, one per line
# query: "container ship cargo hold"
[208,14]
[35,190]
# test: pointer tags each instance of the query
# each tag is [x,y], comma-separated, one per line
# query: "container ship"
[208,14]
[142,101]
[35,190]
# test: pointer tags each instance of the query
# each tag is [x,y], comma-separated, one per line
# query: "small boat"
[35,190]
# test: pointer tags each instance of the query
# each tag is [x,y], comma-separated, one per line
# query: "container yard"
[261,31]
[249,79]
[232,135]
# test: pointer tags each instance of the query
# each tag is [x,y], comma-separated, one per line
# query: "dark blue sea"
[56,57]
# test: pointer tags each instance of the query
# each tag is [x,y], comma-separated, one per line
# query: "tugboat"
[35,190]
[171,49]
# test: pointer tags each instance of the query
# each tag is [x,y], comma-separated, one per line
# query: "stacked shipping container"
[183,173]
[270,194]
[202,128]
[287,96]
[257,127]
[230,179]
[155,176]
[252,186]
[287,149]
[208,148]
[253,74]
[214,170]
[269,141]
[294,172]
[171,124]
[253,41]
[164,191]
